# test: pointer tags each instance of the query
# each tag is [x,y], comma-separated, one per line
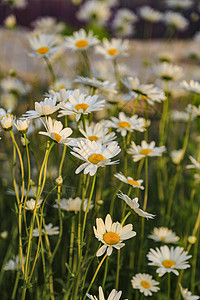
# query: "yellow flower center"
[42,50]
[112,51]
[144,97]
[82,106]
[163,238]
[111,238]
[124,124]
[93,138]
[57,137]
[145,151]
[145,284]
[81,43]
[133,182]
[168,263]
[96,158]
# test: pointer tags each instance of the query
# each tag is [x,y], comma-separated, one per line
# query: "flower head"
[192,86]
[7,122]
[187,295]
[112,235]
[145,283]
[81,40]
[114,48]
[163,234]
[30,204]
[114,295]
[95,155]
[43,45]
[73,204]
[195,163]
[168,260]
[48,229]
[179,4]
[176,20]
[98,11]
[149,14]
[140,152]
[133,182]
[13,264]
[22,125]
[134,205]
[168,71]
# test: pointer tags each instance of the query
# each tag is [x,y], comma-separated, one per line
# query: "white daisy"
[104,86]
[97,132]
[80,40]
[22,125]
[168,71]
[179,116]
[48,229]
[134,183]
[140,152]
[95,155]
[30,204]
[195,163]
[112,235]
[125,124]
[145,283]
[192,86]
[180,4]
[187,295]
[73,204]
[176,20]
[114,295]
[7,122]
[114,48]
[62,95]
[14,85]
[148,92]
[56,132]
[47,25]
[43,45]
[43,108]
[176,156]
[163,234]
[13,264]
[60,83]
[168,260]
[134,205]
[82,104]
[149,14]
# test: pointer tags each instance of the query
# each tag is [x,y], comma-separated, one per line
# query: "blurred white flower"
[163,234]
[149,14]
[73,204]
[176,156]
[176,20]
[13,264]
[94,11]
[187,295]
[30,204]
[10,22]
[167,71]
[180,4]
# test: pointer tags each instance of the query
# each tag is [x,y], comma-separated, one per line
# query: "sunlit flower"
[81,105]
[168,260]
[43,108]
[192,239]
[149,14]
[145,150]
[163,234]
[195,163]
[30,204]
[49,230]
[112,235]
[114,48]
[7,122]
[62,95]
[60,83]
[124,124]
[10,22]
[176,20]
[14,85]
[104,86]
[133,182]
[47,25]
[13,264]
[176,156]
[73,204]
[94,11]
[114,295]
[43,45]
[80,40]
[56,132]
[145,283]
[192,86]
[22,125]
[187,295]
[147,92]
[134,205]
[95,155]
[97,132]
[180,4]
[167,71]
[123,22]
[165,56]
[179,116]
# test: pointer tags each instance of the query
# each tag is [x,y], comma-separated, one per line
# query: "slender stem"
[194,265]
[169,286]
[146,120]
[113,199]
[117,272]
[146,184]
[95,274]
[124,219]
[71,247]
[105,273]
[135,104]
[51,71]
[125,155]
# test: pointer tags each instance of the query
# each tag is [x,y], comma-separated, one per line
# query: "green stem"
[51,71]
[169,286]
[105,273]
[118,269]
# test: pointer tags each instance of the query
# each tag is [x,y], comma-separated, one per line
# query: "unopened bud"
[59,181]
[192,239]
[100,202]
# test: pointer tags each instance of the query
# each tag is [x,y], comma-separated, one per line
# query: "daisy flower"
[43,45]
[168,260]
[134,205]
[62,95]
[104,86]
[148,92]
[145,283]
[49,230]
[124,124]
[97,132]
[140,152]
[13,264]
[134,183]
[43,108]
[112,235]
[95,155]
[114,295]
[73,204]
[168,71]
[30,204]
[176,20]
[56,132]
[81,104]
[7,122]
[149,14]
[163,234]
[187,295]
[22,125]
[180,4]
[114,48]
[176,156]
[80,40]
[195,163]
[192,86]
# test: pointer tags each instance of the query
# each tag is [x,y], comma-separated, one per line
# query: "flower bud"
[192,239]
[59,181]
